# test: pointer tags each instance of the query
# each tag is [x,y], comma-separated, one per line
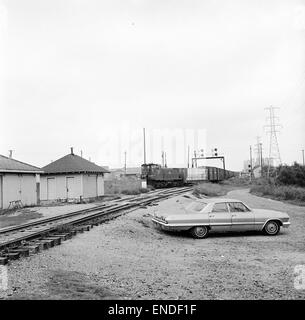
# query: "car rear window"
[197,206]
[220,207]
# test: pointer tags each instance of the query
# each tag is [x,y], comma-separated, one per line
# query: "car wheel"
[272,228]
[200,232]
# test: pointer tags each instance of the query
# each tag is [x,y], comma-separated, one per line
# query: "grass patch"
[131,192]
[135,191]
[210,190]
[64,228]
[280,192]
[236,182]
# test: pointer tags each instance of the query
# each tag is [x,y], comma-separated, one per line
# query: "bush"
[291,175]
[280,192]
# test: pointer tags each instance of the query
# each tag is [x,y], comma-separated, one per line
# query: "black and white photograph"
[152,151]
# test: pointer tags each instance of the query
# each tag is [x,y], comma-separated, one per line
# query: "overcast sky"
[75,72]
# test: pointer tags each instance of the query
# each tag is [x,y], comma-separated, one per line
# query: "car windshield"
[197,206]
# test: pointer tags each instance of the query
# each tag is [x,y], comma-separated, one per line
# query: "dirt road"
[128,259]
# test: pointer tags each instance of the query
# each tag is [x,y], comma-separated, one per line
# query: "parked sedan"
[205,215]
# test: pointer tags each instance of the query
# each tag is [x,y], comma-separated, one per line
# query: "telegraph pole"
[261,156]
[188,156]
[250,163]
[125,168]
[303,157]
[144,146]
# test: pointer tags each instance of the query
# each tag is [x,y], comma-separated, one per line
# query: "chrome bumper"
[170,227]
[286,224]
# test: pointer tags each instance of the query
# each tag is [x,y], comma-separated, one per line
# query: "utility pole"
[303,157]
[195,156]
[144,146]
[261,156]
[165,160]
[188,156]
[250,163]
[162,155]
[125,168]
[257,152]
[273,126]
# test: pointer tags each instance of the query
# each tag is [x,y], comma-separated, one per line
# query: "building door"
[91,186]
[71,188]
[51,189]
[1,192]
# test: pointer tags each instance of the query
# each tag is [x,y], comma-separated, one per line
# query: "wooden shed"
[19,183]
[72,178]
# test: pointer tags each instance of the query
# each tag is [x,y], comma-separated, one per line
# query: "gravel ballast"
[127,258]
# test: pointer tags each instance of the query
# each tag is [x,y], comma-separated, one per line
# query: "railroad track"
[21,240]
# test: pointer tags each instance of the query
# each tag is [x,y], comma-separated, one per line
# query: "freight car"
[215,174]
[160,177]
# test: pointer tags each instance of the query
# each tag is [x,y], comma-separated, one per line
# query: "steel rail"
[47,228]
[74,213]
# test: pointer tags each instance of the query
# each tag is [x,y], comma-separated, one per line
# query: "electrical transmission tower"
[273,128]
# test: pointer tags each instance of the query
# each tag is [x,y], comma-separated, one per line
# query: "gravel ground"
[25,215]
[37,213]
[128,258]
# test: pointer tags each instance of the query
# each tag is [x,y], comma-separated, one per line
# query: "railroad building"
[19,183]
[72,178]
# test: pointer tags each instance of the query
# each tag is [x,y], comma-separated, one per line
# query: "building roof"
[14,166]
[73,163]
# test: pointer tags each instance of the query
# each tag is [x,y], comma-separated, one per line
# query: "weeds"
[280,192]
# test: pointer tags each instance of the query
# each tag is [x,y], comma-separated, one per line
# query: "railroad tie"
[24,252]
[12,255]
[3,261]
[63,236]
[88,227]
[47,243]
[33,248]
[57,240]
[40,245]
